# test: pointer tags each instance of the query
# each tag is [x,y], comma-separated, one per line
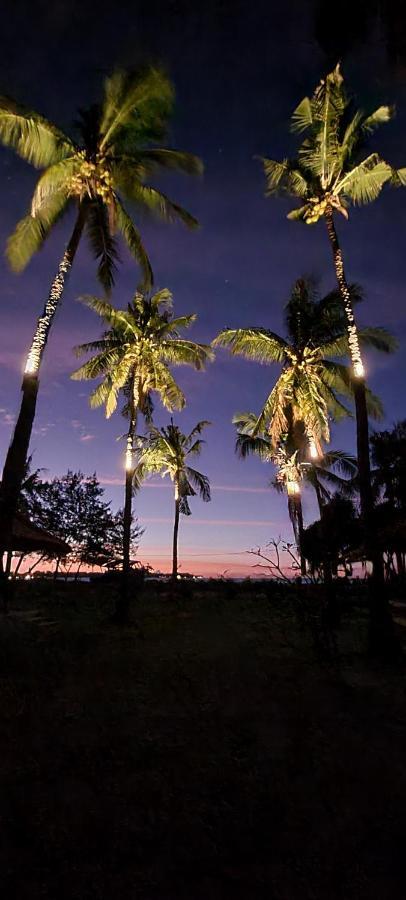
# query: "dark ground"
[215,756]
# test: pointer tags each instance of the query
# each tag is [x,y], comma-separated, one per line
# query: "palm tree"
[293,468]
[167,451]
[110,159]
[133,356]
[331,173]
[305,393]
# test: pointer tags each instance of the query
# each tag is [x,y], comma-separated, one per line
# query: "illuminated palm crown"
[331,169]
[137,349]
[166,451]
[309,387]
[111,160]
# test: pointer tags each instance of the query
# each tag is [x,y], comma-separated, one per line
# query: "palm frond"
[181,352]
[102,243]
[136,106]
[345,463]
[248,445]
[134,243]
[285,177]
[55,179]
[171,394]
[379,117]
[196,430]
[256,344]
[374,405]
[177,160]
[31,232]
[379,339]
[200,482]
[31,136]
[297,214]
[102,364]
[120,320]
[365,181]
[159,204]
[302,116]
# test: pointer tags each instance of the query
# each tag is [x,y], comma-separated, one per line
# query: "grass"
[214,755]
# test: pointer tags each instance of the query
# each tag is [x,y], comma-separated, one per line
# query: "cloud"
[87,437]
[113,480]
[6,418]
[230,523]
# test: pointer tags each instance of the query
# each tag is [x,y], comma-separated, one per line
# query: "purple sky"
[238,75]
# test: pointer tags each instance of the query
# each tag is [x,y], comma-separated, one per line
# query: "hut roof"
[30,538]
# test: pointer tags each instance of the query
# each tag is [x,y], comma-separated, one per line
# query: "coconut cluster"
[318,205]
[317,210]
[92,177]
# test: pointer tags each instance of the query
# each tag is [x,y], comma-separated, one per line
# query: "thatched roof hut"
[29,538]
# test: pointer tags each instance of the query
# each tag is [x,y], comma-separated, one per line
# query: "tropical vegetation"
[133,357]
[114,149]
[167,451]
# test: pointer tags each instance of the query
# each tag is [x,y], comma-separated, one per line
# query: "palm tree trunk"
[9,560]
[381,625]
[122,605]
[175,534]
[330,591]
[296,517]
[16,458]
[17,568]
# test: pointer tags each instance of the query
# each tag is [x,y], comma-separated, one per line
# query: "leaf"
[31,232]
[102,243]
[181,352]
[253,343]
[364,182]
[379,339]
[136,107]
[299,213]
[200,482]
[177,160]
[379,117]
[35,139]
[157,202]
[398,178]
[55,180]
[302,117]
[134,243]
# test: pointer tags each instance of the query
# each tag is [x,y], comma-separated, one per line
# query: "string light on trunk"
[129,455]
[359,370]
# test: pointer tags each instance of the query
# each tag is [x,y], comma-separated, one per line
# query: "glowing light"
[129,454]
[45,321]
[314,453]
[31,366]
[359,370]
[292,488]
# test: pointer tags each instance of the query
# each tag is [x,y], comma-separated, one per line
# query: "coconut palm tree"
[108,160]
[306,392]
[133,356]
[293,468]
[167,450]
[331,172]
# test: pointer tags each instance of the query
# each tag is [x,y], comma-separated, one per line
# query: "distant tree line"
[73,508]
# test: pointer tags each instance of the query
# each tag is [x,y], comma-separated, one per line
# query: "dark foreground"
[215,756]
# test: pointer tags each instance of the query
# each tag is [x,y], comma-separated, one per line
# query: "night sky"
[239,69]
